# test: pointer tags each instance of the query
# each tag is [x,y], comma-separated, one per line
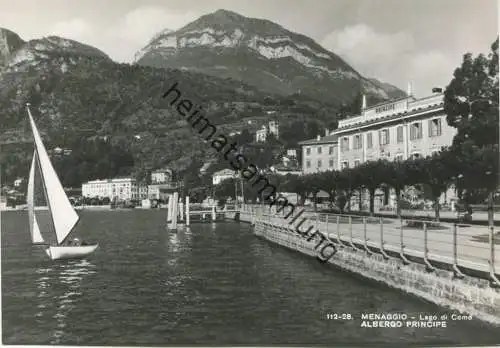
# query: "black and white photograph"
[320,173]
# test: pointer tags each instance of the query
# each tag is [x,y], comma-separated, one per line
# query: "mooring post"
[175,204]
[169,209]
[187,211]
[181,210]
[214,216]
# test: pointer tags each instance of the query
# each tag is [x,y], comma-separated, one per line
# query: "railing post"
[326,224]
[456,271]
[350,234]
[382,251]
[402,251]
[364,232]
[494,280]
[428,266]
[338,231]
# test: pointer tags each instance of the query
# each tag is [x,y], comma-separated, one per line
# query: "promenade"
[465,246]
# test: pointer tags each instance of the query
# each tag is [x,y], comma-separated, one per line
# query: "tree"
[397,175]
[436,173]
[328,181]
[370,177]
[471,100]
[471,104]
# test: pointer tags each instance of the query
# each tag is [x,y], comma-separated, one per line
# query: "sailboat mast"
[46,194]
[64,216]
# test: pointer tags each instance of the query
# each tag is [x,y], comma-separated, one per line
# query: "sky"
[395,41]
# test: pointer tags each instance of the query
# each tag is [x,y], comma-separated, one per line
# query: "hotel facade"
[120,189]
[397,130]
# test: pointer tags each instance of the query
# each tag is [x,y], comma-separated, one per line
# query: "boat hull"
[70,252]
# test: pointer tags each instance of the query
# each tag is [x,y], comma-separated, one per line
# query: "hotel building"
[396,130]
[120,189]
[320,154]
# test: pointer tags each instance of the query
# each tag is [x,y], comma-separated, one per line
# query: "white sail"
[36,236]
[64,216]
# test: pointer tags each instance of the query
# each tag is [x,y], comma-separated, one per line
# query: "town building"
[271,128]
[222,175]
[18,182]
[122,189]
[320,154]
[397,130]
[161,176]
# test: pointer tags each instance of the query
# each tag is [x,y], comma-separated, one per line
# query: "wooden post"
[175,205]
[181,210]
[187,210]
[169,209]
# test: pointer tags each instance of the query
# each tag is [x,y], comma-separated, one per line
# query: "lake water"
[210,285]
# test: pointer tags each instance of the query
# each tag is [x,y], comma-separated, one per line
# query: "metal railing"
[460,248]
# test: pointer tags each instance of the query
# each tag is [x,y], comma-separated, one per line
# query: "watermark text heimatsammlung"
[194,115]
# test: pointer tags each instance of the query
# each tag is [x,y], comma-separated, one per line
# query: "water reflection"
[59,287]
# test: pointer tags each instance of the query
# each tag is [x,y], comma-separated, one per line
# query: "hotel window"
[384,137]
[330,163]
[319,150]
[369,140]
[416,131]
[435,127]
[330,150]
[356,163]
[399,134]
[345,144]
[308,164]
[345,165]
[319,163]
[308,151]
[357,144]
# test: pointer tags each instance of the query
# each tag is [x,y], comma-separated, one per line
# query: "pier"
[179,213]
[454,265]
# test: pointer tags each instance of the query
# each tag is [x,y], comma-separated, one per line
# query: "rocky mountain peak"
[261,53]
[9,43]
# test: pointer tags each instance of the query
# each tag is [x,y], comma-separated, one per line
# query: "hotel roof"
[323,140]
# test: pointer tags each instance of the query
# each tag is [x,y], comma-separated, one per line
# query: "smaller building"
[222,175]
[161,191]
[291,153]
[161,176]
[320,154]
[18,182]
[271,128]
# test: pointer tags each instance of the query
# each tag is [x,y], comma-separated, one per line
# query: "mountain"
[262,54]
[9,43]
[108,113]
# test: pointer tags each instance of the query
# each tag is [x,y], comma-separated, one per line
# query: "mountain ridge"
[226,44]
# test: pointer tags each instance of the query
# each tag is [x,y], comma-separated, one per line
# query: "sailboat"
[62,214]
